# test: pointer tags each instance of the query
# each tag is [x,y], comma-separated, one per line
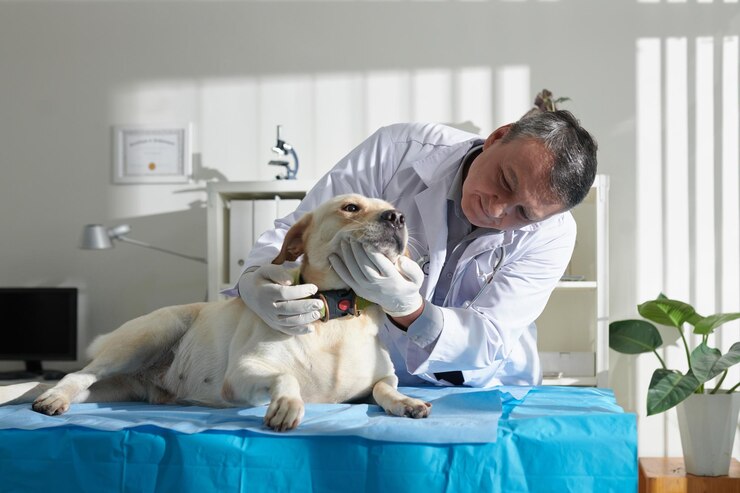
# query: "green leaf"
[665,311]
[703,359]
[706,325]
[668,388]
[633,336]
[707,363]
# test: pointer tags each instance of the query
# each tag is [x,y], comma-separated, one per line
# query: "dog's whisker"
[413,250]
[415,246]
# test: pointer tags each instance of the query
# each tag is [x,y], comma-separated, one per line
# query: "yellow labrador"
[221,354]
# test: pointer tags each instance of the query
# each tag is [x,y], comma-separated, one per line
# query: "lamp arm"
[147,245]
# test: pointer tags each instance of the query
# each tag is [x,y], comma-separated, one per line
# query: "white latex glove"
[374,277]
[270,293]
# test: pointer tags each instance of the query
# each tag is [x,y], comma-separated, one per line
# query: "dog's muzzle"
[393,236]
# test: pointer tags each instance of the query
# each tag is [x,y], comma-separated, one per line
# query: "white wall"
[331,73]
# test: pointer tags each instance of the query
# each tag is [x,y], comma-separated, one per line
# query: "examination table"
[507,440]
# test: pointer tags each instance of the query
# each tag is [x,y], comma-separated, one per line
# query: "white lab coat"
[493,341]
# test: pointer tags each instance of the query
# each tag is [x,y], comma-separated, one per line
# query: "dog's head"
[373,222]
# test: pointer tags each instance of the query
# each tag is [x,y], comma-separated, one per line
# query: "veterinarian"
[490,236]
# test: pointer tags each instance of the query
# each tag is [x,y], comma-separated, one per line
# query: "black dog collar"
[338,303]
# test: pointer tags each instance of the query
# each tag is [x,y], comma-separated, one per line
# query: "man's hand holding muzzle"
[395,287]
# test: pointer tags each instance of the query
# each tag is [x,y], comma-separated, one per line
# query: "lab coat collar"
[438,180]
[432,201]
[550,221]
[449,158]
[486,243]
[434,218]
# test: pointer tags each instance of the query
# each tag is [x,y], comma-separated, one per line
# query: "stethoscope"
[423,262]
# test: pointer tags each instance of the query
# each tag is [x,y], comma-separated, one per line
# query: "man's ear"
[499,133]
[293,244]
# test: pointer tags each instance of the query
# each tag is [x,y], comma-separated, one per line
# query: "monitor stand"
[33,371]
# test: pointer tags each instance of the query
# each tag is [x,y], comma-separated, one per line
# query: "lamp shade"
[95,237]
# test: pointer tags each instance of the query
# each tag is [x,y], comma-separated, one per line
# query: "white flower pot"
[707,423]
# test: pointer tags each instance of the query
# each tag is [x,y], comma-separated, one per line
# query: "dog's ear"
[293,244]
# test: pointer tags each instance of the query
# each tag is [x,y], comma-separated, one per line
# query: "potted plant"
[707,418]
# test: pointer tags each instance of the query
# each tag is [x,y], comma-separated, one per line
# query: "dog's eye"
[351,208]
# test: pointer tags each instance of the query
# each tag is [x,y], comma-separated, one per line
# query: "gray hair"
[572,147]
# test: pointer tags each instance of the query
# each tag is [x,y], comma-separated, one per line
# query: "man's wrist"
[241,276]
[403,322]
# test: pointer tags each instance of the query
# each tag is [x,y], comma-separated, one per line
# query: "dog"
[221,354]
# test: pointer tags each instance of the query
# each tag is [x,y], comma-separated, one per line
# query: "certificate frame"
[152,154]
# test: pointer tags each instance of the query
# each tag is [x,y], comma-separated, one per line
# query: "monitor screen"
[38,323]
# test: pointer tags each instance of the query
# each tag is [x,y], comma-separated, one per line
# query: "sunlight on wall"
[323,116]
[648,181]
[704,169]
[339,117]
[387,98]
[648,193]
[677,159]
[730,193]
[473,97]
[513,93]
[687,197]
[676,225]
[430,92]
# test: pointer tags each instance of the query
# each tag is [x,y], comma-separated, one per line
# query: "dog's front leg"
[389,398]
[286,408]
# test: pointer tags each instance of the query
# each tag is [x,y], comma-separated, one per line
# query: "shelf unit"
[573,330]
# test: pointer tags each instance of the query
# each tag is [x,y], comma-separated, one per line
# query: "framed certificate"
[147,154]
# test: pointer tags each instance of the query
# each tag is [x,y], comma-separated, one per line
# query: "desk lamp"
[97,237]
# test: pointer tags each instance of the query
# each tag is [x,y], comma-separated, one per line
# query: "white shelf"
[259,189]
[575,321]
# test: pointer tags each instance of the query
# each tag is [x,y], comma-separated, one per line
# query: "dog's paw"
[408,406]
[51,402]
[284,413]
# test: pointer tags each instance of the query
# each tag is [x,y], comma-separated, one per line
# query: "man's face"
[507,185]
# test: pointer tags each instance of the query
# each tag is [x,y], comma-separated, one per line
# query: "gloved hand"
[374,277]
[270,293]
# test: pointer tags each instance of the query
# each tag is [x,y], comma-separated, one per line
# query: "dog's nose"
[394,217]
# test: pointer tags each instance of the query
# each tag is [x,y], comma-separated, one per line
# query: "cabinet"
[221,195]
[573,330]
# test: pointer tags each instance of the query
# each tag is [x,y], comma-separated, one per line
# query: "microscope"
[282,148]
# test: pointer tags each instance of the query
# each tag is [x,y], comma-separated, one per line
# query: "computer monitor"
[37,324]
